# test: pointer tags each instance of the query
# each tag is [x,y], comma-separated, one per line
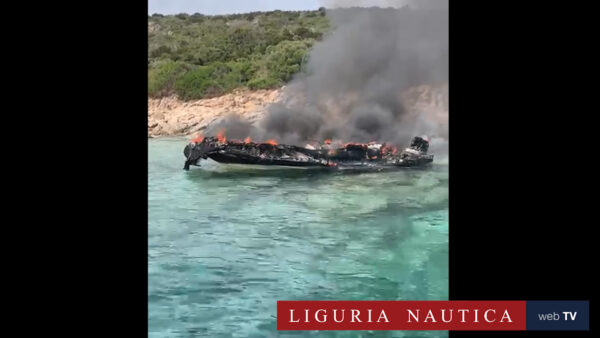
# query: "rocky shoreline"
[170,116]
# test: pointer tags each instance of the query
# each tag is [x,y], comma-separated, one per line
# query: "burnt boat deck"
[349,157]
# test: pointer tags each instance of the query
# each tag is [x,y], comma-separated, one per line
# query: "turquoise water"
[224,245]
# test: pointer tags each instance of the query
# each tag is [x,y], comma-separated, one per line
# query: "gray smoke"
[351,87]
[234,127]
[422,4]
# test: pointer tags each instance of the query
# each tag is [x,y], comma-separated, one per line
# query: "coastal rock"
[170,116]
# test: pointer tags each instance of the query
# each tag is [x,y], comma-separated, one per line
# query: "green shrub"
[196,83]
[158,52]
[163,75]
[212,80]
[264,83]
[284,59]
[199,56]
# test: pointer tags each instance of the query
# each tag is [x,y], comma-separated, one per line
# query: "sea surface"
[225,244]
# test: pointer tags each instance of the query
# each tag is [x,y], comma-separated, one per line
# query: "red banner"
[401,315]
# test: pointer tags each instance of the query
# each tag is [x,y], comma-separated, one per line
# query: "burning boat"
[327,155]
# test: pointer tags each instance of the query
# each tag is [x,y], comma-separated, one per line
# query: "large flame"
[272,142]
[247,140]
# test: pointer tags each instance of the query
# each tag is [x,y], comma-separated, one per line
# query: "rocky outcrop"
[171,116]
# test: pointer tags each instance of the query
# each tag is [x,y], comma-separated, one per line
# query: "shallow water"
[225,244]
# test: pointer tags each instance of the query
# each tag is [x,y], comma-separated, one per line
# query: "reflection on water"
[225,244]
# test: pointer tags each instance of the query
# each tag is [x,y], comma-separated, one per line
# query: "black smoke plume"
[351,88]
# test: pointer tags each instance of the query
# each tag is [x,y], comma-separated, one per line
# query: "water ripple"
[224,246]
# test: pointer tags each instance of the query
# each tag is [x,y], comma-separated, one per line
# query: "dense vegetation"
[196,56]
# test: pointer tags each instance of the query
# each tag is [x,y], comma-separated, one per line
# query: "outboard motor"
[195,151]
[191,155]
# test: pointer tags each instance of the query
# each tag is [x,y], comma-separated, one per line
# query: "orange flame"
[328,141]
[198,139]
[221,136]
[247,140]
[389,149]
[271,142]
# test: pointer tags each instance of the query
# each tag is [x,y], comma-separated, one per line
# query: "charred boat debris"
[327,155]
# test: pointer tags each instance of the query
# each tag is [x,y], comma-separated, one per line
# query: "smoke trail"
[423,4]
[353,85]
